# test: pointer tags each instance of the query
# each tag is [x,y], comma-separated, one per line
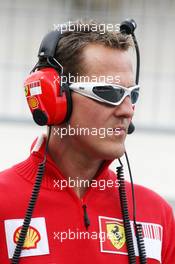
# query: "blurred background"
[151,148]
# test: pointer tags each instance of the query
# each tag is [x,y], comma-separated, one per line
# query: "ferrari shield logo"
[26,89]
[114,240]
[116,234]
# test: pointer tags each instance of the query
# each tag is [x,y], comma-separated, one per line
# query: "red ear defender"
[49,106]
[49,101]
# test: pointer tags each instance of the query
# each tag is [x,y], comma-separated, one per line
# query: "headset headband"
[48,45]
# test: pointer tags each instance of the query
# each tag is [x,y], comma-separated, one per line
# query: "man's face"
[96,116]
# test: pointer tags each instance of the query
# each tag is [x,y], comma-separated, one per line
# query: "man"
[77,219]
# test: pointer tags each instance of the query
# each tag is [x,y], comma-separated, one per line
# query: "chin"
[116,154]
[104,150]
[111,152]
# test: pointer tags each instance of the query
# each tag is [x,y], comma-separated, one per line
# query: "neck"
[74,163]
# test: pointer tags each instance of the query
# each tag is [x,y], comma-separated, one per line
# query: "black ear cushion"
[40,117]
[68,94]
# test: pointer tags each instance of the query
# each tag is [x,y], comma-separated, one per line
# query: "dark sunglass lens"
[134,96]
[109,93]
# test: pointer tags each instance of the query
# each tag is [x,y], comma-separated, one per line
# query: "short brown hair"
[70,47]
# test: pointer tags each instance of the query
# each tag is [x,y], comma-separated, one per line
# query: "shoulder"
[7,175]
[11,177]
[149,197]
[15,189]
[147,200]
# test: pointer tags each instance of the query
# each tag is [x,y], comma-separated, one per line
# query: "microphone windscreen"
[131,128]
[128,26]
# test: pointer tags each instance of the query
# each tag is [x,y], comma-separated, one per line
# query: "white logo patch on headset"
[115,241]
[35,88]
[36,241]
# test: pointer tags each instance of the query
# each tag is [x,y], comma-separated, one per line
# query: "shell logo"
[32,237]
[33,102]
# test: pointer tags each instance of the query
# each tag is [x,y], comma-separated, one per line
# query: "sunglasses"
[111,94]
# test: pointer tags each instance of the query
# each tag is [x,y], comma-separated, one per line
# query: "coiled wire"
[140,243]
[125,214]
[31,206]
[138,227]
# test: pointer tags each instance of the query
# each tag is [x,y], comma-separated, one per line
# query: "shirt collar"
[28,169]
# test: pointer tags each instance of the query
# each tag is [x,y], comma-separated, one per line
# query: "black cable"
[128,27]
[31,206]
[132,188]
[125,214]
[137,58]
[138,227]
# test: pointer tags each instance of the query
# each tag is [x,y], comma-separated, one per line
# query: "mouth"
[120,131]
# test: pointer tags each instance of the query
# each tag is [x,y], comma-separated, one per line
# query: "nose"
[125,109]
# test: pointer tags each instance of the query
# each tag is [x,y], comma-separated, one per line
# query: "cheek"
[87,113]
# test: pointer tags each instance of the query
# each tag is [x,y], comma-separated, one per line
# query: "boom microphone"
[128,27]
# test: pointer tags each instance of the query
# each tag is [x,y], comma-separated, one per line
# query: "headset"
[48,98]
[50,104]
